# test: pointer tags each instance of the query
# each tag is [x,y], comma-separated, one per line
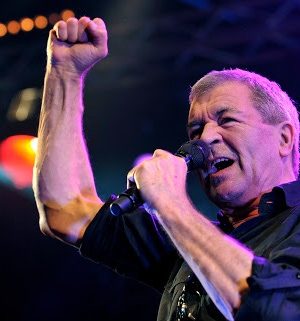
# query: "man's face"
[244,160]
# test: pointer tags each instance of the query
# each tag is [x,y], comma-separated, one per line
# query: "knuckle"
[99,21]
[84,18]
[72,20]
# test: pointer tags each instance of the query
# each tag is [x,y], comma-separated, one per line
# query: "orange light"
[53,18]
[34,144]
[66,14]
[3,30]
[27,24]
[40,22]
[17,159]
[13,27]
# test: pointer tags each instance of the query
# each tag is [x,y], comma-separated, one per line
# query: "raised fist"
[74,46]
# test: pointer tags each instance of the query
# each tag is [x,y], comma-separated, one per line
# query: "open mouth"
[220,163]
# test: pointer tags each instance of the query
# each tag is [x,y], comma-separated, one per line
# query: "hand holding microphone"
[194,153]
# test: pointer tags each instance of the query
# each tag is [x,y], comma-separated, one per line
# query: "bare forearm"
[213,256]
[63,177]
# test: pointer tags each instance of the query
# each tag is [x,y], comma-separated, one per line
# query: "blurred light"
[34,144]
[17,159]
[13,27]
[53,18]
[27,24]
[24,104]
[3,30]
[66,14]
[4,178]
[141,158]
[40,22]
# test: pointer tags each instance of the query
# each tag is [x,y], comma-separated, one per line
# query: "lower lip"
[220,172]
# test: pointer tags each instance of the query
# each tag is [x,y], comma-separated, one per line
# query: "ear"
[287,134]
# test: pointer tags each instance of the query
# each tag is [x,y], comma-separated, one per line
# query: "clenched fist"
[75,45]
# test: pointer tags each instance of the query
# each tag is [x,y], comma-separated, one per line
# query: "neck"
[239,215]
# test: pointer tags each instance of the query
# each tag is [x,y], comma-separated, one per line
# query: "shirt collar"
[280,198]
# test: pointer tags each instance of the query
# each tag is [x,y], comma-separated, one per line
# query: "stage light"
[13,27]
[66,14]
[40,22]
[24,104]
[17,155]
[34,144]
[3,30]
[27,24]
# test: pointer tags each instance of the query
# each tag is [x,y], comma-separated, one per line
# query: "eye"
[226,120]
[195,131]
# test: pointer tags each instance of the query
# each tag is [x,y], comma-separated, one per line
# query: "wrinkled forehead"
[231,95]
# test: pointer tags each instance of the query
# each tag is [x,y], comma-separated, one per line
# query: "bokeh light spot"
[13,27]
[17,155]
[3,30]
[40,22]
[27,24]
[66,14]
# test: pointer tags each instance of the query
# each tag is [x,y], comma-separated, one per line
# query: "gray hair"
[274,105]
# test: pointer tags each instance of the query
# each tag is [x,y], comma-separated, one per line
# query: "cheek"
[260,160]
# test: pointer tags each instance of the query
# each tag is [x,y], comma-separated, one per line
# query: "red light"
[17,156]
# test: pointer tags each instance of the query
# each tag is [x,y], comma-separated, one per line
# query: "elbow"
[45,227]
[64,212]
[69,221]
[62,225]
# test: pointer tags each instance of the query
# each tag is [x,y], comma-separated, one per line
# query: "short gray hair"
[274,105]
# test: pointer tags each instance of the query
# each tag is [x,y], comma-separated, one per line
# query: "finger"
[60,29]
[52,35]
[98,32]
[130,178]
[82,32]
[99,22]
[160,152]
[168,156]
[72,29]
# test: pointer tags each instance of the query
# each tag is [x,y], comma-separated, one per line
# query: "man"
[246,267]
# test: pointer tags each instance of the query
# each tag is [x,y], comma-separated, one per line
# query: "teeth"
[222,159]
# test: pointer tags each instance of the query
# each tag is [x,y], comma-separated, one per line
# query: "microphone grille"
[195,152]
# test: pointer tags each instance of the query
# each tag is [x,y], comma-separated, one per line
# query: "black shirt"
[136,246]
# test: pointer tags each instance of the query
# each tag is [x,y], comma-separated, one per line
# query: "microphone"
[194,152]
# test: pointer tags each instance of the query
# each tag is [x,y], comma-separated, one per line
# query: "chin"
[225,196]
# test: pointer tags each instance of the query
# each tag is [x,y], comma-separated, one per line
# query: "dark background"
[136,101]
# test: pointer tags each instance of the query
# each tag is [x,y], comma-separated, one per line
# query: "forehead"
[233,96]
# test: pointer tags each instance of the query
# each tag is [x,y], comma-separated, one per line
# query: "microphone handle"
[126,201]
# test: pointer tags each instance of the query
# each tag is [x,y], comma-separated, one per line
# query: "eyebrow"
[218,113]
[225,109]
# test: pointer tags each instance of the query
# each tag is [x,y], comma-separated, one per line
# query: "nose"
[210,134]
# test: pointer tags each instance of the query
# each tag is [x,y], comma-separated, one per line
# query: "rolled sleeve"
[274,293]
[132,244]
